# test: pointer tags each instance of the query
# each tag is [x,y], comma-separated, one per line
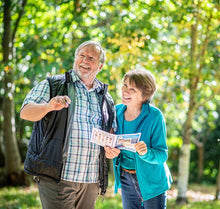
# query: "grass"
[19,198]
[28,198]
[195,205]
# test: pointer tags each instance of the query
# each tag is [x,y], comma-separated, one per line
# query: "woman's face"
[131,95]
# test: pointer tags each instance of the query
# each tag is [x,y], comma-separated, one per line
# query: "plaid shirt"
[83,156]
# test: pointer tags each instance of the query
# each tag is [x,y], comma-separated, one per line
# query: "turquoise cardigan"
[152,172]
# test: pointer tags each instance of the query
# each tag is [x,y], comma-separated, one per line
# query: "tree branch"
[197,142]
[18,20]
[6,38]
[202,54]
[208,98]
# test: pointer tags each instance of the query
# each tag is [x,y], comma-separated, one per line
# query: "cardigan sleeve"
[157,151]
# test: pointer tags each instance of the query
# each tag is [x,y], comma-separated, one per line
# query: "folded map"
[122,141]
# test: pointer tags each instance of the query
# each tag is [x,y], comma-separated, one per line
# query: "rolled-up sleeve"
[39,94]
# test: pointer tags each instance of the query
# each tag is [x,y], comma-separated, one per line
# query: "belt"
[129,171]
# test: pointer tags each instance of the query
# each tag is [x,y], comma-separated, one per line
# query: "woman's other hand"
[141,148]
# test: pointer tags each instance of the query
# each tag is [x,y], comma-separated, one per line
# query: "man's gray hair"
[93,43]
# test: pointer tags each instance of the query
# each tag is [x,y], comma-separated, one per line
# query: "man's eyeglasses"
[89,59]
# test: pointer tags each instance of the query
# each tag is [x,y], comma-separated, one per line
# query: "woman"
[142,176]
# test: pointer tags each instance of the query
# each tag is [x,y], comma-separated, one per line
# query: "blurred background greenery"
[177,40]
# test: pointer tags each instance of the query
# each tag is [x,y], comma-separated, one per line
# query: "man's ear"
[100,66]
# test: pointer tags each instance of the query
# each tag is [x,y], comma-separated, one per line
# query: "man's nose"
[86,59]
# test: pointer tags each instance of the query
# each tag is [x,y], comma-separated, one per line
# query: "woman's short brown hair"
[144,80]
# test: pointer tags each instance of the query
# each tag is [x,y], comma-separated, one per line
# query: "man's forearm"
[34,112]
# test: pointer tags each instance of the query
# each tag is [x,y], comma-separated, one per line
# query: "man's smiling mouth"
[84,67]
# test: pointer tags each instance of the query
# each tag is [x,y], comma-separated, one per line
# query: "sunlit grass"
[113,202]
[19,198]
[28,198]
[195,205]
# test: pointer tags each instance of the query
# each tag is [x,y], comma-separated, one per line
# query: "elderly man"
[68,169]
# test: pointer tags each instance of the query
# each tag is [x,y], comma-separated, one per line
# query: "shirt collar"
[96,83]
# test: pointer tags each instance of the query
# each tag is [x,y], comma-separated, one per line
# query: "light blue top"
[152,172]
[127,157]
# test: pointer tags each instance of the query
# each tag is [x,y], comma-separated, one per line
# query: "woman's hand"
[111,153]
[141,148]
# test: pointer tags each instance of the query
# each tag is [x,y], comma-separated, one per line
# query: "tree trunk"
[12,155]
[196,66]
[2,154]
[217,196]
[184,160]
[183,173]
[200,148]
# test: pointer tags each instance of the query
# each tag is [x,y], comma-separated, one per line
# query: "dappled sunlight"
[193,196]
[199,196]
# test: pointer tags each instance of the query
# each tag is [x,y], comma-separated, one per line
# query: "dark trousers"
[67,195]
[131,194]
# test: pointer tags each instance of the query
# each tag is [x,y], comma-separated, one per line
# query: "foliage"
[209,133]
[153,34]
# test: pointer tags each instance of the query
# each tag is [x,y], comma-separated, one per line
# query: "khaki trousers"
[67,195]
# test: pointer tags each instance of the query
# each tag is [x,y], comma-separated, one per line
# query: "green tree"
[157,35]
[217,195]
[204,17]
[12,156]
